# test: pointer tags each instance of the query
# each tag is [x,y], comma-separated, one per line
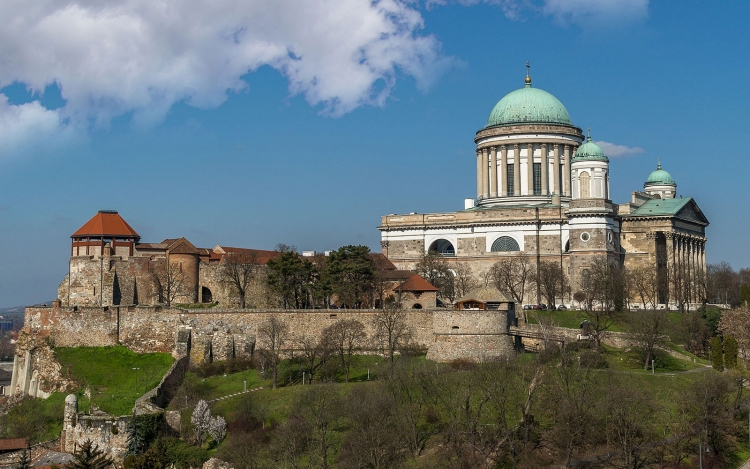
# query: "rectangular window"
[537,178]
[509,179]
[561,178]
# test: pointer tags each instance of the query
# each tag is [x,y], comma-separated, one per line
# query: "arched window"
[585,183]
[567,246]
[504,244]
[443,247]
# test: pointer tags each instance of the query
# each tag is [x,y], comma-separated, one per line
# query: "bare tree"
[170,281]
[346,337]
[391,331]
[463,279]
[322,407]
[511,275]
[606,288]
[315,353]
[644,282]
[551,282]
[238,271]
[737,324]
[646,329]
[435,269]
[274,334]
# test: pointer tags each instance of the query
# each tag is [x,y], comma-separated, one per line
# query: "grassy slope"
[109,375]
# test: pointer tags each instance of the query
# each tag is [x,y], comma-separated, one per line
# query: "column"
[530,168]
[670,265]
[493,171]
[566,172]
[479,174]
[485,164]
[516,170]
[545,171]
[502,181]
[556,170]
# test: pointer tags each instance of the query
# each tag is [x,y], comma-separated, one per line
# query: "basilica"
[543,193]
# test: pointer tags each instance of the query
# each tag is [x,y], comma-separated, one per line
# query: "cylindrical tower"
[524,151]
[184,271]
[590,172]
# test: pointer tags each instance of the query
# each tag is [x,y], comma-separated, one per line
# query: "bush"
[217,368]
[184,456]
[593,359]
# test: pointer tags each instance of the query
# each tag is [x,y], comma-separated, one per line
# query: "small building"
[417,293]
[484,298]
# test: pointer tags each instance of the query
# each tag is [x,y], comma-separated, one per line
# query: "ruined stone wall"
[108,433]
[106,281]
[220,334]
[256,296]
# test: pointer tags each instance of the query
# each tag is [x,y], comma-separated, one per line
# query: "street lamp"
[700,452]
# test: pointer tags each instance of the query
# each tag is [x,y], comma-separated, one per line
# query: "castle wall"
[470,335]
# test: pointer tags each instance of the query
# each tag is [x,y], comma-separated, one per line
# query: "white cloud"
[111,57]
[613,150]
[594,12]
[585,13]
[30,124]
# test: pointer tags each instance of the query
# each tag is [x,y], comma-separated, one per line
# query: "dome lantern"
[660,183]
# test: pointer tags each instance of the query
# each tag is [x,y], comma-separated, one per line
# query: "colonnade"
[686,259]
[493,170]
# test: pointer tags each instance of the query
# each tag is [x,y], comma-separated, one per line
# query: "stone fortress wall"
[207,335]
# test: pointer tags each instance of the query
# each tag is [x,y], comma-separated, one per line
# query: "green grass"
[109,375]
[571,319]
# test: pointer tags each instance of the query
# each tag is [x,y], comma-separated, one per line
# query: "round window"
[585,236]
[609,236]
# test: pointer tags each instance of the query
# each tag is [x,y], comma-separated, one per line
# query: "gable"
[692,212]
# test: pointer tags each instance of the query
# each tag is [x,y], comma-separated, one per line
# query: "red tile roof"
[106,223]
[380,262]
[257,255]
[416,283]
[10,444]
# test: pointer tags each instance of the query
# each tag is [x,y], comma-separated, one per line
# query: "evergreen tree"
[352,275]
[89,456]
[717,354]
[731,349]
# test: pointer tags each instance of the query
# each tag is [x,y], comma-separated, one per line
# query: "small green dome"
[528,106]
[590,151]
[660,177]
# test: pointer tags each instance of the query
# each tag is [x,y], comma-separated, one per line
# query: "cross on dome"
[528,76]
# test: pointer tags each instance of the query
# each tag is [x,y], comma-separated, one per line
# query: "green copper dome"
[659,177]
[528,106]
[590,151]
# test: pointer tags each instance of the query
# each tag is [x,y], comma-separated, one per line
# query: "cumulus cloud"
[613,150]
[112,57]
[585,13]
[32,125]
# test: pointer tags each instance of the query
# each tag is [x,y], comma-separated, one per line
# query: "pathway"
[236,394]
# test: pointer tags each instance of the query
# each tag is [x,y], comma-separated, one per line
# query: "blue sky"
[302,122]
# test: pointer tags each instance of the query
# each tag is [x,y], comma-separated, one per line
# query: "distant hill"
[19,309]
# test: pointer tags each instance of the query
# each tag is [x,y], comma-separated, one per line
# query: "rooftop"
[107,224]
